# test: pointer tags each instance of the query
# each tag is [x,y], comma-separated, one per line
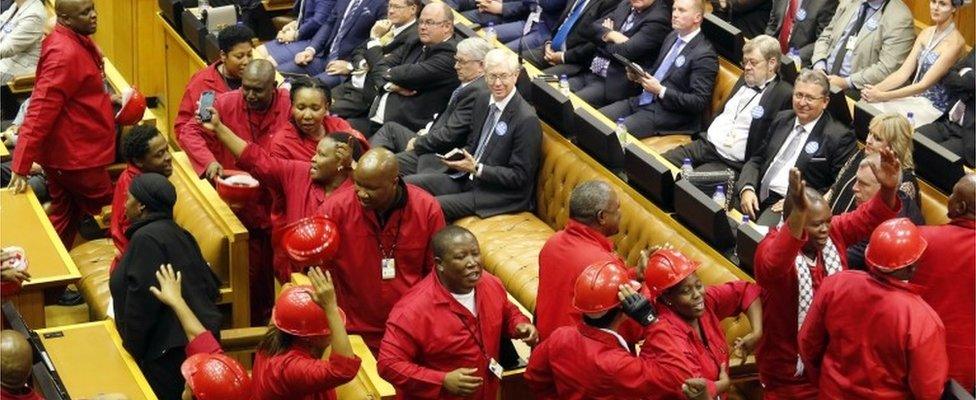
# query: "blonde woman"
[935,51]
[887,130]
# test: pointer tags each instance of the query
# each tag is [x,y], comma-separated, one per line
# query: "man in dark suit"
[954,129]
[678,87]
[738,131]
[634,30]
[497,171]
[347,28]
[448,130]
[564,55]
[798,23]
[418,79]
[806,138]
[354,97]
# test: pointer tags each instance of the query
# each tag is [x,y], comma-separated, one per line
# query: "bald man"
[947,274]
[252,112]
[386,226]
[16,360]
[69,128]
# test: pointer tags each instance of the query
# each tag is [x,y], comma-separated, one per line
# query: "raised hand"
[888,171]
[324,290]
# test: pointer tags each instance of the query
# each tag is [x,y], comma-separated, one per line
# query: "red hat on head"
[216,377]
[597,287]
[895,244]
[665,268]
[295,312]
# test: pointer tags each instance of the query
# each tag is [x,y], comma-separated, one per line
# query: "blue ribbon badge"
[812,147]
[758,112]
[872,24]
[501,129]
[680,61]
[801,14]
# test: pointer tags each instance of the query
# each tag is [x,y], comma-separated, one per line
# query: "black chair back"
[649,176]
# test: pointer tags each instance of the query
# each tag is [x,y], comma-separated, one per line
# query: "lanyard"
[384,252]
[477,338]
[933,43]
[743,106]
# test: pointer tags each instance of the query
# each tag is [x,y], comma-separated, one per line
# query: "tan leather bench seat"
[511,243]
[221,237]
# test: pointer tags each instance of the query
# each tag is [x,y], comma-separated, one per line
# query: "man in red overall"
[69,128]
[794,258]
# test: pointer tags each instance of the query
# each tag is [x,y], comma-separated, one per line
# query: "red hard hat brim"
[325,331]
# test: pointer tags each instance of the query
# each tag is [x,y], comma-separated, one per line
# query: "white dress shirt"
[781,181]
[729,132]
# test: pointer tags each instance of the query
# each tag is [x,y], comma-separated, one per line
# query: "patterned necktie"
[341,32]
[662,71]
[779,163]
[787,28]
[559,39]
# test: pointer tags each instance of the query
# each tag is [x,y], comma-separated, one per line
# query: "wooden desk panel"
[90,359]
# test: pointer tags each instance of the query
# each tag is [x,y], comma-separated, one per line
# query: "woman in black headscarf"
[149,330]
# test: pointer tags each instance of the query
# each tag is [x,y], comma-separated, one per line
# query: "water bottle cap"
[745,219]
[720,188]
[491,24]
[620,120]
[563,76]
[911,114]
[687,161]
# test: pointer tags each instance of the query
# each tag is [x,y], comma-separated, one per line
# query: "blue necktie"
[662,71]
[341,32]
[559,40]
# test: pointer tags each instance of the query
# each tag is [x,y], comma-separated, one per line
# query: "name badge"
[495,368]
[388,268]
[801,14]
[680,61]
[501,129]
[851,42]
[812,147]
[758,112]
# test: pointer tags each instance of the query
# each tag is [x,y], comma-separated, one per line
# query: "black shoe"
[70,298]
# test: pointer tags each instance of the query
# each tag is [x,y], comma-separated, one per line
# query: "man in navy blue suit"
[346,29]
[677,89]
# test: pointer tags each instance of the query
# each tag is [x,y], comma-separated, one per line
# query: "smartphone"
[206,101]
[548,77]
[453,155]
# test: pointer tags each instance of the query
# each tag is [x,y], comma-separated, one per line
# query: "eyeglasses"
[498,77]
[430,22]
[806,97]
[752,63]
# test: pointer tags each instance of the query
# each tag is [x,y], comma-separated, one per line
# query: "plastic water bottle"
[621,132]
[795,56]
[490,34]
[745,219]
[203,5]
[719,195]
[911,119]
[564,84]
[686,168]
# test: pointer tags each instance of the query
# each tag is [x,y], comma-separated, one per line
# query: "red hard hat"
[665,268]
[237,188]
[597,287]
[216,377]
[133,106]
[296,313]
[311,241]
[895,244]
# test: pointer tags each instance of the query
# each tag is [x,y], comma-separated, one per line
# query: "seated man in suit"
[634,30]
[736,133]
[353,97]
[449,128]
[347,27]
[678,86]
[497,172]
[750,16]
[567,52]
[864,42]
[798,24]
[954,129]
[416,80]
[806,138]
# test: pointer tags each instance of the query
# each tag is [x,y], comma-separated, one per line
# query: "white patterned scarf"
[805,285]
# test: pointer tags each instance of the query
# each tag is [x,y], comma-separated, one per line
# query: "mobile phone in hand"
[453,155]
[206,101]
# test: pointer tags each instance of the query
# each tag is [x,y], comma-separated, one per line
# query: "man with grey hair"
[806,138]
[738,131]
[594,216]
[416,149]
[495,171]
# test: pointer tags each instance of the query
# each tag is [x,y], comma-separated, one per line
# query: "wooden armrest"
[241,339]
[22,83]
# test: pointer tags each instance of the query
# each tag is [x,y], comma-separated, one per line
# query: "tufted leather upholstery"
[728,74]
[934,205]
[511,243]
[220,235]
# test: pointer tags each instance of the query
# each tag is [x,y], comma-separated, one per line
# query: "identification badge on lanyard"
[388,268]
[851,42]
[495,368]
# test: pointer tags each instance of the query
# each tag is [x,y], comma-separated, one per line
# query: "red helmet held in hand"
[666,268]
[895,244]
[597,287]
[216,377]
[133,107]
[311,241]
[237,188]
[295,312]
